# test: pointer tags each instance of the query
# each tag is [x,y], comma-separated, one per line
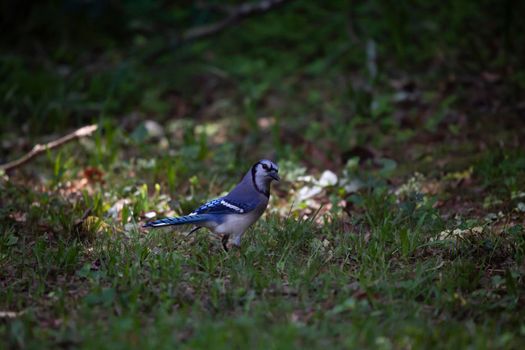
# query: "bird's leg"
[193,230]
[233,244]
[224,241]
[236,241]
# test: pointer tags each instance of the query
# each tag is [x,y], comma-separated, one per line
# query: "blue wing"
[224,206]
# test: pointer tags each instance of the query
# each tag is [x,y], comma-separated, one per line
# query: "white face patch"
[263,174]
[259,173]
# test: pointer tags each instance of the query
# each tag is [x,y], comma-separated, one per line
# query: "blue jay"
[234,213]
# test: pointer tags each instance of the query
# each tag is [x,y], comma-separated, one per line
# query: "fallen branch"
[234,15]
[39,149]
[83,218]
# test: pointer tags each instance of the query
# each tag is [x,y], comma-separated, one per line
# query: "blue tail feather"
[181,220]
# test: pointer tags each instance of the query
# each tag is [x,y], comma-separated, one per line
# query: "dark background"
[398,127]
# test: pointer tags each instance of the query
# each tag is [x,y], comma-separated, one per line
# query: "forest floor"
[417,241]
[398,223]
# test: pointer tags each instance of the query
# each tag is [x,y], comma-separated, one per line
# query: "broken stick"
[39,149]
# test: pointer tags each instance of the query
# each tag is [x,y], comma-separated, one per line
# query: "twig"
[235,15]
[83,218]
[39,149]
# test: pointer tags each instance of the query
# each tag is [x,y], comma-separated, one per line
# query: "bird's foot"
[230,246]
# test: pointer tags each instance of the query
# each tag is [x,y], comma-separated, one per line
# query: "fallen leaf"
[18,216]
[307,192]
[117,207]
[150,215]
[94,224]
[328,178]
[93,174]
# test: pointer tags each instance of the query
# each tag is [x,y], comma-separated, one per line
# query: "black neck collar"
[266,193]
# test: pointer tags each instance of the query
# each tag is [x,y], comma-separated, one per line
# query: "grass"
[420,242]
[385,277]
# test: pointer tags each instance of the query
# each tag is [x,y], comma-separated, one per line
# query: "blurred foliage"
[398,129]
[74,61]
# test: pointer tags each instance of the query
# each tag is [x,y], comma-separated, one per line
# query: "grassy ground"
[399,222]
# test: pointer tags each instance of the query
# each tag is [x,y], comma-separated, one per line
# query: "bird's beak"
[275,176]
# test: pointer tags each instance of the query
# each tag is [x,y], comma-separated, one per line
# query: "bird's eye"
[265,167]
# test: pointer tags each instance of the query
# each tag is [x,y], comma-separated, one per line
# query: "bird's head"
[263,173]
[266,171]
